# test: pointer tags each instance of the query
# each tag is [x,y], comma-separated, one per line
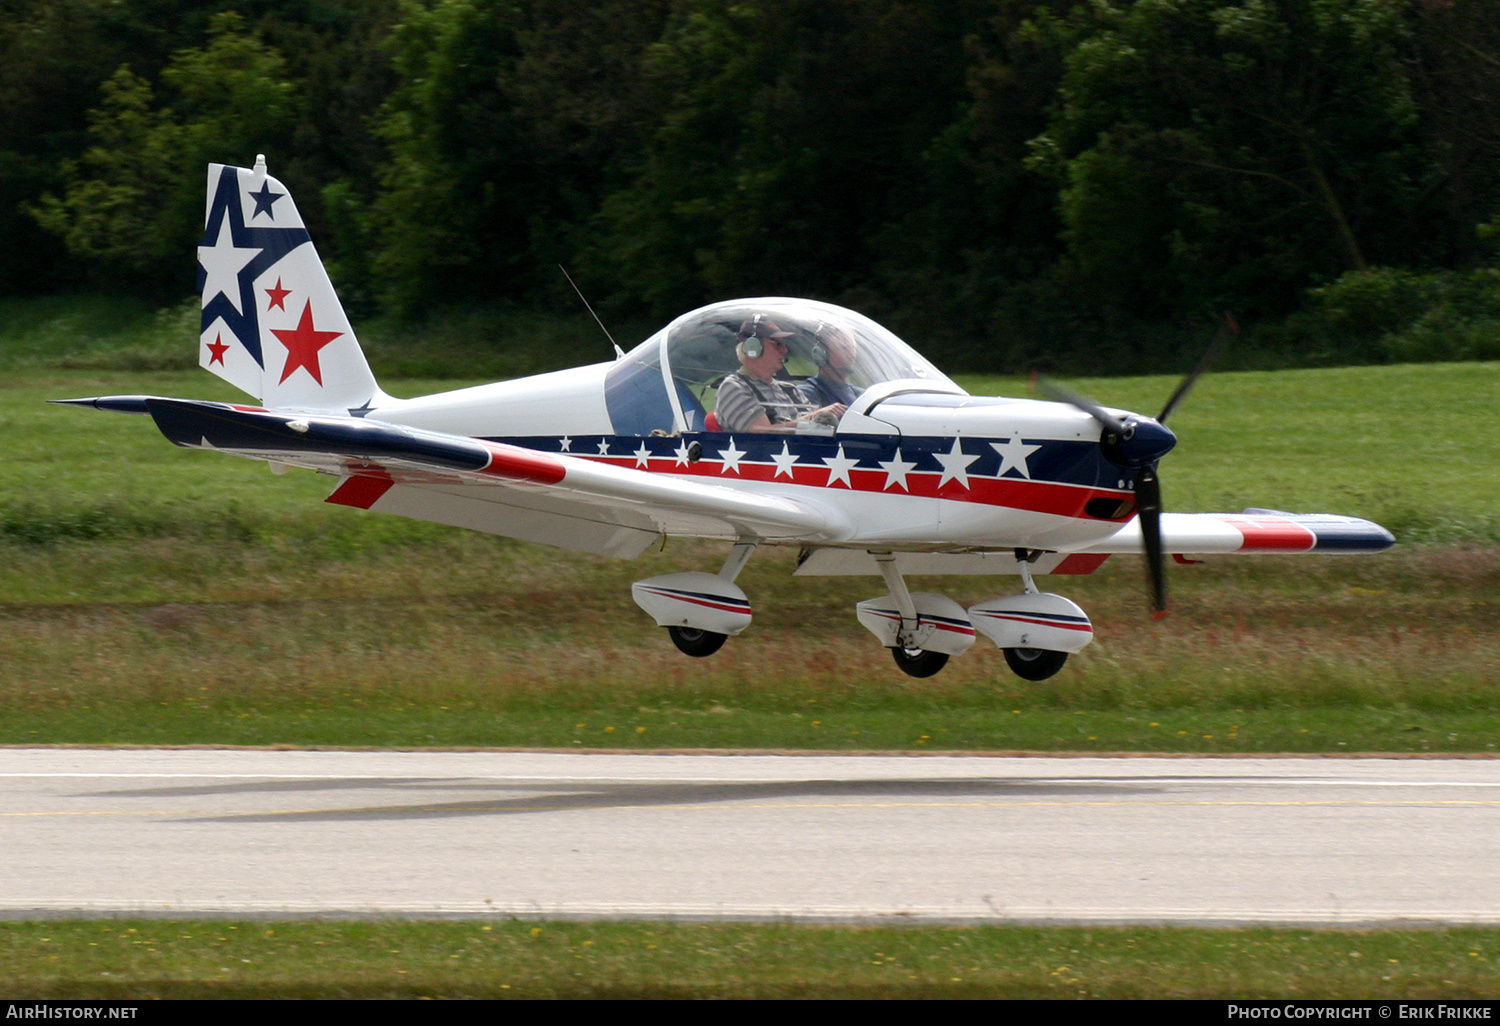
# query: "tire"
[919,662]
[1034,663]
[697,643]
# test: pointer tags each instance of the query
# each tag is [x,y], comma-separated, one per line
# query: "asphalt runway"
[833,838]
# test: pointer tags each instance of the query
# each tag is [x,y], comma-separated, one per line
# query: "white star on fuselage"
[955,465]
[642,456]
[222,264]
[838,469]
[681,453]
[731,457]
[784,460]
[603,447]
[565,444]
[896,471]
[1013,456]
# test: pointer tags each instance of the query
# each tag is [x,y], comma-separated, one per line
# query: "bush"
[1390,315]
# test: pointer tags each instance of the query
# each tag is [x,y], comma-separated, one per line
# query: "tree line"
[1008,183]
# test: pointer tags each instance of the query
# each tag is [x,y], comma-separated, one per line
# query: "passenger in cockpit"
[835,352]
[752,399]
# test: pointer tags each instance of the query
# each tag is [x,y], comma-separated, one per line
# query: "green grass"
[150,594]
[162,958]
[469,640]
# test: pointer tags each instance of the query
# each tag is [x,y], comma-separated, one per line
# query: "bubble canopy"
[669,383]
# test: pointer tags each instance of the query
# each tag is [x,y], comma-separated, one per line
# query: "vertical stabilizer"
[271,322]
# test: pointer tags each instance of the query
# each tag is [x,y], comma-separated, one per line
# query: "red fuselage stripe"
[1066,500]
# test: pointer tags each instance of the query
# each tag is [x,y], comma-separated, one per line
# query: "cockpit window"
[698,350]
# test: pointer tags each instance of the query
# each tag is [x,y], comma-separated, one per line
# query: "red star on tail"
[217,349]
[302,345]
[278,297]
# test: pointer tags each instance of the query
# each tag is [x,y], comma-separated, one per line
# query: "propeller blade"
[1227,330]
[1148,502]
[1059,393]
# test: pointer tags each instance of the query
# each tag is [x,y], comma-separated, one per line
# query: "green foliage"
[501,127]
[786,135]
[1211,151]
[134,200]
[1391,315]
[1010,183]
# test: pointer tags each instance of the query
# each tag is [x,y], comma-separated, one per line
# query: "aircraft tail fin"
[272,324]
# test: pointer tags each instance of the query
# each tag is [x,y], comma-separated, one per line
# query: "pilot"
[835,352]
[752,399]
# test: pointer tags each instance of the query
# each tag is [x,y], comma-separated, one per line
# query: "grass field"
[156,958]
[156,595]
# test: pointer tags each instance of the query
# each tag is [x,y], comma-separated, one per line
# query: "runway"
[756,837]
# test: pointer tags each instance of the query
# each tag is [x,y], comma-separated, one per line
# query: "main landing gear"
[917,663]
[695,642]
[1034,663]
[700,611]
[1036,631]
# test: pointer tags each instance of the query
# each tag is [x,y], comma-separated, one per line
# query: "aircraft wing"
[1264,531]
[489,486]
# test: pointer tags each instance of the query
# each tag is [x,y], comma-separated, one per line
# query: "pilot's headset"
[819,351]
[752,345]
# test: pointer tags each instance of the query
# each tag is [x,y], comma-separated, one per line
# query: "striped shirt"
[743,400]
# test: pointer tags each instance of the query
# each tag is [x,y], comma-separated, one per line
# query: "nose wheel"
[916,662]
[1033,663]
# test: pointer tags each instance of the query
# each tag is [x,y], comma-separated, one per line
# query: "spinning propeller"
[1139,444]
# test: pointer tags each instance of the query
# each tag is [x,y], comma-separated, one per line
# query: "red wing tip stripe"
[731,605]
[1278,533]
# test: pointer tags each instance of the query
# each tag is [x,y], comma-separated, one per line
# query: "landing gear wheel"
[694,642]
[1034,663]
[917,662]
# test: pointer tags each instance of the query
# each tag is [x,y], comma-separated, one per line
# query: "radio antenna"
[619,353]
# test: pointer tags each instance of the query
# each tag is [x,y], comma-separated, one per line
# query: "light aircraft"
[905,473]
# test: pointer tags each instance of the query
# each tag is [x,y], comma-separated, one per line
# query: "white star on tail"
[642,455]
[784,460]
[838,469]
[222,263]
[896,471]
[955,465]
[731,457]
[1013,456]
